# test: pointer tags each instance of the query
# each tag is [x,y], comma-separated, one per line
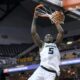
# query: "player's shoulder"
[41,48]
[42,45]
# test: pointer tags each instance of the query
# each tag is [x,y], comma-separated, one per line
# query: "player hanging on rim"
[48,50]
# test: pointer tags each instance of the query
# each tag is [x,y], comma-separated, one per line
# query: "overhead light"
[69,42]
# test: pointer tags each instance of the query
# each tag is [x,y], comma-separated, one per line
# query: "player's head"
[48,38]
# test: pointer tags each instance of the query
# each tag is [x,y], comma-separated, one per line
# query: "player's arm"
[34,33]
[60,34]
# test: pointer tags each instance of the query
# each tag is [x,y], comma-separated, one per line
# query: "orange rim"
[38,6]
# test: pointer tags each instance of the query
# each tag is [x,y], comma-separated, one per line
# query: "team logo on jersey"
[50,46]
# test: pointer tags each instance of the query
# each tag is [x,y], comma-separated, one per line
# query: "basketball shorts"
[42,74]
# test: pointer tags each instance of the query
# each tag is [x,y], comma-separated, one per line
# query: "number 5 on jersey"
[51,50]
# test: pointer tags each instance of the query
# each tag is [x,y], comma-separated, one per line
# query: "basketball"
[58,16]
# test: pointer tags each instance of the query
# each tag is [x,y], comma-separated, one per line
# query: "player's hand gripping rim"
[40,12]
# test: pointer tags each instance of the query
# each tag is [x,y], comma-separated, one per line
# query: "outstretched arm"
[57,18]
[60,34]
[34,33]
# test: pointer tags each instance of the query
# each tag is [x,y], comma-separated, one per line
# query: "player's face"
[48,38]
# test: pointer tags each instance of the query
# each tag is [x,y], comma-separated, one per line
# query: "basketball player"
[49,52]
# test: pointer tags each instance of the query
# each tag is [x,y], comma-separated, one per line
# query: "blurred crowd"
[70,72]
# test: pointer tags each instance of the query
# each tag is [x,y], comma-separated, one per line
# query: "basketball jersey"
[50,56]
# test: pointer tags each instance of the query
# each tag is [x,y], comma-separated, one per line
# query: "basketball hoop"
[46,12]
[43,10]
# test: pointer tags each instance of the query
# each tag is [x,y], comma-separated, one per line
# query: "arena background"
[17,47]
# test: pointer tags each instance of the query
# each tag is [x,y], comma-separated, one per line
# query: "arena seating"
[13,49]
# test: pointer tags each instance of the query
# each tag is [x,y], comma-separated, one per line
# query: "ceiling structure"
[7,6]
[54,4]
[29,6]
